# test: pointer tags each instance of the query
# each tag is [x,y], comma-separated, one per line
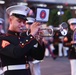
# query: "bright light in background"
[60,12]
[21,3]
[2,2]
[73,7]
[41,5]
[59,6]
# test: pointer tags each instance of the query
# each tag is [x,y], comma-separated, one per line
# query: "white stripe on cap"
[18,12]
[18,9]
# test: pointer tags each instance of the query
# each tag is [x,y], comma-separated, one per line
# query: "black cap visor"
[30,23]
[20,16]
[73,23]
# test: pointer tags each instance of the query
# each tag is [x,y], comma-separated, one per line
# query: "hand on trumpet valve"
[38,35]
[35,28]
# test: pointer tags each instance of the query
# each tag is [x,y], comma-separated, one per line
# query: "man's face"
[17,24]
[28,25]
[73,27]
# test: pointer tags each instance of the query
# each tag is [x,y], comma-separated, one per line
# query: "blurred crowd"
[54,43]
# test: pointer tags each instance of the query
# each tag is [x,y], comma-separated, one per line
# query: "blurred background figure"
[34,64]
[48,40]
[70,41]
[1,26]
[62,50]
[56,42]
[1,32]
[60,45]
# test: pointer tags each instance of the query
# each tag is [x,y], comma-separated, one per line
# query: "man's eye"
[24,22]
[19,21]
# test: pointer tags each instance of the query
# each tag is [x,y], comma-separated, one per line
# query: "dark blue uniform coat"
[15,48]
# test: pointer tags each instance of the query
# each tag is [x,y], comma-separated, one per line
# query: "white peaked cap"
[1,20]
[30,20]
[72,20]
[18,9]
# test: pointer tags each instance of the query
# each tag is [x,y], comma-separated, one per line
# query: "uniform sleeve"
[69,39]
[38,52]
[29,46]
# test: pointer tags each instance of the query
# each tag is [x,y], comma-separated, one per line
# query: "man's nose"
[22,24]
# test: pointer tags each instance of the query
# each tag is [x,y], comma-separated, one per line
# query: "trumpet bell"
[64,32]
[47,32]
[63,28]
[45,35]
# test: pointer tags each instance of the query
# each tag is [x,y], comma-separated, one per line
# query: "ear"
[10,19]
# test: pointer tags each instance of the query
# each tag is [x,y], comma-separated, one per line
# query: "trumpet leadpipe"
[45,28]
[24,28]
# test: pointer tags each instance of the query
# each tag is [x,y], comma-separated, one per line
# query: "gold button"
[22,43]
[15,33]
[26,40]
[31,37]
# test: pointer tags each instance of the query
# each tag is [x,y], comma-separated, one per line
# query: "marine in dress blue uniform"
[68,39]
[34,64]
[16,47]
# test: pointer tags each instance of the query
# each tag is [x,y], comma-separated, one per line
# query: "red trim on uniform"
[26,43]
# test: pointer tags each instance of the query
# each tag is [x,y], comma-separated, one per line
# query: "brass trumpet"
[46,32]
[49,31]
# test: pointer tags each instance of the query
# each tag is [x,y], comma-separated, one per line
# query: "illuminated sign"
[42,14]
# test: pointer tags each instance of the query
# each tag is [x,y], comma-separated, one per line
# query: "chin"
[18,30]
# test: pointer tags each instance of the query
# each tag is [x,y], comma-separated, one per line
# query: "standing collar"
[16,33]
[13,33]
